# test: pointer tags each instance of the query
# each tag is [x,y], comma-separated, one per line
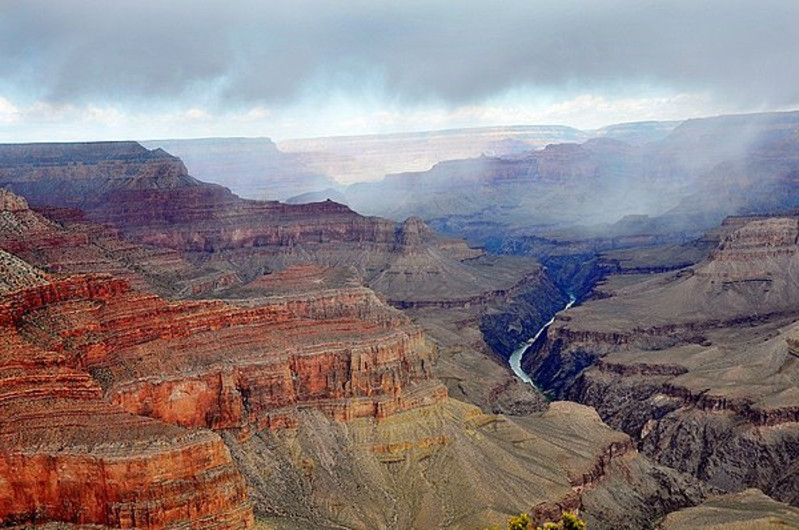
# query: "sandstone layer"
[188,239]
[67,454]
[75,245]
[101,382]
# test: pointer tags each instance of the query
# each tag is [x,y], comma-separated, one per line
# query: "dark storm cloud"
[453,51]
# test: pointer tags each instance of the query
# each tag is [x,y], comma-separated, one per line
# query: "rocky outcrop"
[759,239]
[207,218]
[168,360]
[79,174]
[68,455]
[177,480]
[72,245]
[98,382]
[16,274]
[695,365]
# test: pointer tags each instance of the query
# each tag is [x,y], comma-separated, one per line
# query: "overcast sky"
[101,69]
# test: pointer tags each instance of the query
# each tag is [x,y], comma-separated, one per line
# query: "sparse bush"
[520,522]
[568,521]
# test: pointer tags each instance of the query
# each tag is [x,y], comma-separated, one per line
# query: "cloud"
[9,113]
[250,54]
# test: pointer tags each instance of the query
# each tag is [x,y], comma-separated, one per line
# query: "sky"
[94,69]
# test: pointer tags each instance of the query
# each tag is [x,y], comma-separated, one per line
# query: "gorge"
[515,359]
[288,365]
[414,265]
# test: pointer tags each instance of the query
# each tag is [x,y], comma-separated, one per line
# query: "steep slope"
[696,365]
[79,174]
[68,455]
[451,466]
[77,246]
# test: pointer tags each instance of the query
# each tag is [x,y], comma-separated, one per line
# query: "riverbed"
[515,359]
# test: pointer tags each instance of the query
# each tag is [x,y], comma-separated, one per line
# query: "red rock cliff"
[98,383]
[68,455]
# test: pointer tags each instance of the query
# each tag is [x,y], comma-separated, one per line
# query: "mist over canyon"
[399,265]
[349,370]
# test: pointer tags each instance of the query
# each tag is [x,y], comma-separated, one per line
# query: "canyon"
[399,265]
[302,364]
[603,191]
[111,394]
[696,365]
[193,239]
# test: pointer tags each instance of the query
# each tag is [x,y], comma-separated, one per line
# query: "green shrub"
[520,522]
[568,521]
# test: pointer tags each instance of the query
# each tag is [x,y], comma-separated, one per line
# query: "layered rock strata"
[74,245]
[101,381]
[80,174]
[68,455]
[696,365]
[295,350]
[233,241]
[174,361]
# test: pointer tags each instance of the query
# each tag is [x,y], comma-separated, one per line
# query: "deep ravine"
[515,359]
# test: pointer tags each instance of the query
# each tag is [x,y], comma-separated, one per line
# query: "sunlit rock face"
[69,455]
[101,381]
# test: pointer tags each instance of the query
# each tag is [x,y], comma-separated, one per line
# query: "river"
[515,360]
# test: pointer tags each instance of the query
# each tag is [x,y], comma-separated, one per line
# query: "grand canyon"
[377,266]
